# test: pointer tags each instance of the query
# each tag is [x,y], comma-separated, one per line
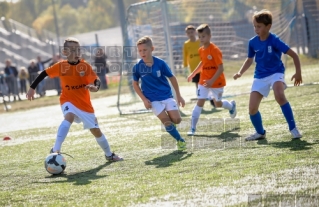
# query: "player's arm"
[179,98]
[139,92]
[39,78]
[95,86]
[297,76]
[210,82]
[197,70]
[243,68]
[185,62]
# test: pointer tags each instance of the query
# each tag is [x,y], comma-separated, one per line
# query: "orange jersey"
[73,79]
[211,58]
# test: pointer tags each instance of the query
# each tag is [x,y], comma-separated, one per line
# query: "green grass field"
[218,169]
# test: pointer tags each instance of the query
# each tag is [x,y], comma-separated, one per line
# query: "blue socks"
[171,129]
[257,122]
[287,111]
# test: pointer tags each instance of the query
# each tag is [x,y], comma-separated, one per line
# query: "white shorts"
[167,104]
[216,93]
[264,85]
[89,120]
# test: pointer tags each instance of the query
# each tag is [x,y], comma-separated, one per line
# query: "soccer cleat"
[181,145]
[233,111]
[113,158]
[256,136]
[191,132]
[51,151]
[295,133]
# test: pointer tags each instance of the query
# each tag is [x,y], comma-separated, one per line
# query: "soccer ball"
[55,163]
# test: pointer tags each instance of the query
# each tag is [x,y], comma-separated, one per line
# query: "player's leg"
[279,87]
[90,122]
[170,127]
[202,93]
[255,116]
[217,93]
[63,130]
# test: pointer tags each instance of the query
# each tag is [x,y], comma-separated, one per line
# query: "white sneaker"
[233,111]
[191,132]
[256,136]
[295,133]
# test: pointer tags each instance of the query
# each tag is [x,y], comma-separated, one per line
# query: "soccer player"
[155,90]
[267,48]
[77,79]
[190,54]
[212,77]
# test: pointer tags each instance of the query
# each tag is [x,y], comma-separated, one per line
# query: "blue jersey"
[267,55]
[155,86]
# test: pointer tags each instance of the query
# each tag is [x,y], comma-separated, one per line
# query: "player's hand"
[30,94]
[298,79]
[208,83]
[147,104]
[180,101]
[237,75]
[91,88]
[189,78]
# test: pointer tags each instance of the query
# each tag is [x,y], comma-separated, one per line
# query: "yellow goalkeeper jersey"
[190,54]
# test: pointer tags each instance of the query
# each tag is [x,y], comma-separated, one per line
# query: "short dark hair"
[203,28]
[145,40]
[189,27]
[70,39]
[264,16]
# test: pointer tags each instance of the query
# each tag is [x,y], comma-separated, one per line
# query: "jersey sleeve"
[54,70]
[185,62]
[92,75]
[218,56]
[166,70]
[280,45]
[251,51]
[136,74]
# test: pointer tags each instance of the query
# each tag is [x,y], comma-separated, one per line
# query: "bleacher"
[21,44]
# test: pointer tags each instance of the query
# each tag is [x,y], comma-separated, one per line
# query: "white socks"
[62,132]
[227,105]
[195,115]
[102,141]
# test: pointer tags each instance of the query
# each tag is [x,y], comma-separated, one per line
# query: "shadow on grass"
[294,144]
[79,178]
[169,159]
[226,136]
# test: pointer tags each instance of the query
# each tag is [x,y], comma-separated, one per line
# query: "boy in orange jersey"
[77,79]
[191,57]
[212,78]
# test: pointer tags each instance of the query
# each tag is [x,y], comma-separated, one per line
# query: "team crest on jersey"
[158,73]
[209,57]
[269,49]
[82,73]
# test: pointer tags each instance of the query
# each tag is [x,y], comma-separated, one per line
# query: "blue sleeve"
[280,45]
[166,70]
[251,51]
[136,74]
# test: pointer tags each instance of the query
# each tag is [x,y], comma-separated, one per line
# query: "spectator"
[33,71]
[11,75]
[56,58]
[23,77]
[101,67]
[3,84]
[41,87]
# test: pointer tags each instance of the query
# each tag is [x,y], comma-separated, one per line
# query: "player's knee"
[253,110]
[280,98]
[69,117]
[177,121]
[96,132]
[218,103]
